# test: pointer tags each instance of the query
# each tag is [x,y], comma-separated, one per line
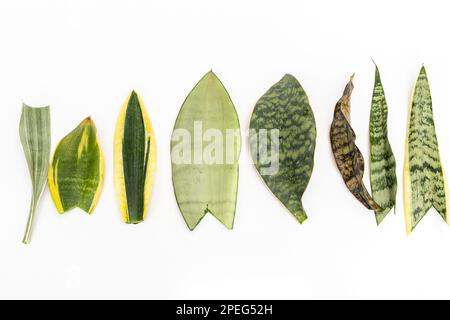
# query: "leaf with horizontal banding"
[134,159]
[284,160]
[76,172]
[206,179]
[383,180]
[34,131]
[349,159]
[425,185]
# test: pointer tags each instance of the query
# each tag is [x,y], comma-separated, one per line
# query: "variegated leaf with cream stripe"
[76,172]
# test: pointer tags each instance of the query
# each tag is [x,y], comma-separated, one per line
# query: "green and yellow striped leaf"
[282,140]
[205,149]
[425,185]
[76,172]
[383,179]
[34,131]
[134,159]
[349,159]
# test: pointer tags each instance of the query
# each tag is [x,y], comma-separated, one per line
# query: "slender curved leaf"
[425,185]
[383,180]
[205,178]
[349,159]
[34,131]
[283,123]
[76,172]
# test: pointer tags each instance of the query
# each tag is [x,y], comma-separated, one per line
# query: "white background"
[83,58]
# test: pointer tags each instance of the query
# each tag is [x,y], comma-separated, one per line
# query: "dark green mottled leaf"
[282,142]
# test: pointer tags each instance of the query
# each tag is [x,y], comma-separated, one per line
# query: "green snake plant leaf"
[206,179]
[283,122]
[383,180]
[75,177]
[34,131]
[134,159]
[425,185]
[349,159]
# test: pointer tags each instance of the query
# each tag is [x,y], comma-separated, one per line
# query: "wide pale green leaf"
[425,185]
[205,149]
[383,180]
[34,131]
[282,142]
[76,172]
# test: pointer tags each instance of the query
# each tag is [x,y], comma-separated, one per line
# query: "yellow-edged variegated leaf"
[134,159]
[75,177]
[425,185]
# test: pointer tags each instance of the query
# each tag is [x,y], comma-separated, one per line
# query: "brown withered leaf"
[349,159]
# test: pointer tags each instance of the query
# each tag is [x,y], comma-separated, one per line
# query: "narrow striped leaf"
[349,159]
[425,185]
[134,159]
[34,131]
[383,180]
[76,172]
[282,141]
[205,149]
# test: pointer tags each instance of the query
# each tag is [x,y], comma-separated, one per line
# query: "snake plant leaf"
[349,159]
[283,122]
[383,180]
[425,185]
[34,132]
[134,159]
[206,179]
[75,177]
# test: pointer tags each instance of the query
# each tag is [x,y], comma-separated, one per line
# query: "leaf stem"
[27,235]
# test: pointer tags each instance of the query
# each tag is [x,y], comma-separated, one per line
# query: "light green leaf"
[282,140]
[425,185]
[34,131]
[383,180]
[205,150]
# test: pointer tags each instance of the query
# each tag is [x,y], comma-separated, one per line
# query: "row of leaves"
[425,184]
[75,173]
